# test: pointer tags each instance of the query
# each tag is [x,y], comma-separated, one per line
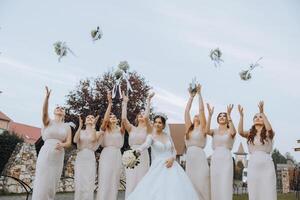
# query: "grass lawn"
[290,196]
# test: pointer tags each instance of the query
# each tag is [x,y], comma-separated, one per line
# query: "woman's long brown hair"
[263,135]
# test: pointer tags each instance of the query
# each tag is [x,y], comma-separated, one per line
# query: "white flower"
[215,55]
[245,75]
[96,34]
[130,159]
[123,65]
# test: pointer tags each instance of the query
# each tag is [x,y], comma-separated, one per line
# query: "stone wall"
[21,165]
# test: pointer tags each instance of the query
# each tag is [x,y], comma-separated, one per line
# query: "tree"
[8,143]
[89,97]
[278,158]
[239,170]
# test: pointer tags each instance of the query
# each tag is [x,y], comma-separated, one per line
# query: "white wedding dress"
[160,182]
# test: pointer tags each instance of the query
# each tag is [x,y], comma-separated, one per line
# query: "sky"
[168,42]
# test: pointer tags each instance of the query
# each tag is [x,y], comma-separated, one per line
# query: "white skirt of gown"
[134,176]
[197,170]
[221,173]
[261,177]
[85,174]
[162,183]
[49,167]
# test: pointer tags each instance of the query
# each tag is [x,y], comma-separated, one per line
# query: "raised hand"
[80,122]
[109,97]
[229,109]
[48,92]
[210,110]
[241,110]
[261,106]
[151,95]
[125,98]
[95,121]
[199,87]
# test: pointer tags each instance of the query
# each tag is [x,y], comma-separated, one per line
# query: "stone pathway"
[59,196]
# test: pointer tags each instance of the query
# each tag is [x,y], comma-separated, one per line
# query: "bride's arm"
[146,144]
[170,161]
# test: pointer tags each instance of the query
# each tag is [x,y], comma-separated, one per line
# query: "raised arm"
[147,113]
[125,121]
[241,131]
[108,111]
[201,108]
[187,115]
[46,118]
[232,130]
[94,132]
[77,134]
[209,131]
[268,126]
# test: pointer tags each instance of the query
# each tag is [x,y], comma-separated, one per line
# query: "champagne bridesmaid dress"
[261,171]
[110,165]
[196,163]
[85,167]
[221,168]
[136,138]
[50,161]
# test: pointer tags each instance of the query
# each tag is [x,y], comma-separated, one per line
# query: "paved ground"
[59,196]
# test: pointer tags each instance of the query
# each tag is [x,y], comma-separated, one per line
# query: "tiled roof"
[29,133]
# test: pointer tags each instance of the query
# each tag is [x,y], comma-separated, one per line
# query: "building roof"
[4,117]
[29,133]
[178,133]
[241,150]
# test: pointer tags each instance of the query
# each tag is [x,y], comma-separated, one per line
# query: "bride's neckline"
[156,140]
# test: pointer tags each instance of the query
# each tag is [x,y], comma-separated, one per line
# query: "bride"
[165,180]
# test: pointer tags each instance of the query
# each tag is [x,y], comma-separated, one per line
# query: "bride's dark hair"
[163,120]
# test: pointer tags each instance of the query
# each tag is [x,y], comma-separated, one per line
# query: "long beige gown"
[221,168]
[85,167]
[196,163]
[49,163]
[261,171]
[137,137]
[110,165]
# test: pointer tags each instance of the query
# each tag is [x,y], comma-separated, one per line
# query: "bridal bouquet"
[215,55]
[121,74]
[130,159]
[61,49]
[193,86]
[96,34]
[246,75]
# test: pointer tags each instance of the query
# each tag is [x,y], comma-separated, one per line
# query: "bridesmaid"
[57,136]
[261,170]
[221,167]
[110,162]
[195,140]
[85,164]
[137,136]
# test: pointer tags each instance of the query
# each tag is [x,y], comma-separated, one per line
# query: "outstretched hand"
[199,87]
[48,92]
[241,110]
[125,98]
[261,106]
[210,109]
[109,97]
[151,95]
[229,109]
